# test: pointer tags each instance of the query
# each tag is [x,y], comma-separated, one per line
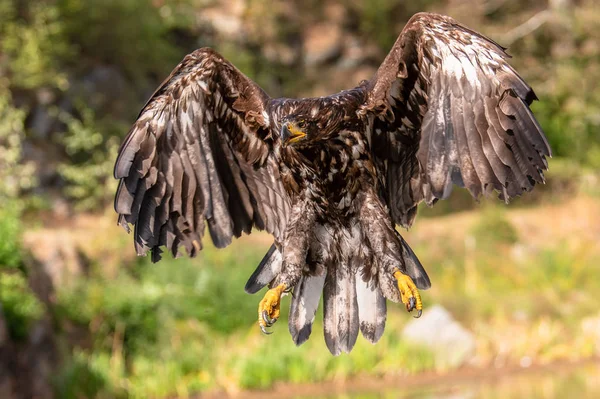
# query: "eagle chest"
[332,174]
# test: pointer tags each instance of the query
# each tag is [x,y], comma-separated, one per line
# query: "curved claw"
[266,318]
[265,331]
[409,293]
[268,321]
[268,308]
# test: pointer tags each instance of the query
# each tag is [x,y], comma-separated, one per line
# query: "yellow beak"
[291,134]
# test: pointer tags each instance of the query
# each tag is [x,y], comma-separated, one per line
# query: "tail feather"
[414,269]
[266,271]
[303,308]
[340,313]
[372,310]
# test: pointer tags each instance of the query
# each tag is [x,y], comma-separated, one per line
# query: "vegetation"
[18,304]
[74,74]
[183,326]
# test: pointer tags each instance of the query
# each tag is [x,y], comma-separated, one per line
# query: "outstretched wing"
[200,150]
[449,109]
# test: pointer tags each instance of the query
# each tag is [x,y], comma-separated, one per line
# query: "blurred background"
[514,308]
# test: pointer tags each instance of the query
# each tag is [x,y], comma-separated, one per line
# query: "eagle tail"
[305,301]
[268,268]
[372,309]
[340,310]
[413,266]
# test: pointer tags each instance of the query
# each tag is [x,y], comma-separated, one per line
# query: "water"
[562,382]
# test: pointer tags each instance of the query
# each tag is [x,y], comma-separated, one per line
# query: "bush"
[86,376]
[33,41]
[18,303]
[90,146]
[14,175]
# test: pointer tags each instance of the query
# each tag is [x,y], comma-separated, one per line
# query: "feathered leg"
[294,250]
[388,253]
[413,266]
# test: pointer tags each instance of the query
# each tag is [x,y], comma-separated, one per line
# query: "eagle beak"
[291,134]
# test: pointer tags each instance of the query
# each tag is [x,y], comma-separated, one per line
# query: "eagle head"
[303,131]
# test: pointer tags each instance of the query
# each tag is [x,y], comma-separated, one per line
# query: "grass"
[185,326]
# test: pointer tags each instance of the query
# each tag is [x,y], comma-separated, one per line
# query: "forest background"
[82,316]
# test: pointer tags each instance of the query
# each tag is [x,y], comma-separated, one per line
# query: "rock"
[41,124]
[322,44]
[227,25]
[451,344]
[57,260]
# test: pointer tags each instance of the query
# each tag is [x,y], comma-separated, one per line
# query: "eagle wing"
[200,150]
[450,109]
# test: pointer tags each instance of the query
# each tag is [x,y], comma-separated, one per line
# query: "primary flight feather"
[329,177]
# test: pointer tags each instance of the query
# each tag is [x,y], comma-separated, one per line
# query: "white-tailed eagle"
[329,177]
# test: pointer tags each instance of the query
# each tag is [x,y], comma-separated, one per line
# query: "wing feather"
[200,153]
[446,99]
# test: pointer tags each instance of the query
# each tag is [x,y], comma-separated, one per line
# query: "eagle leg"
[398,268]
[409,293]
[269,308]
[294,250]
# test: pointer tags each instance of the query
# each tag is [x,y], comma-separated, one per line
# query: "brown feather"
[197,154]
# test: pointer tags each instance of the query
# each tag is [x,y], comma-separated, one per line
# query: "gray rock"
[451,344]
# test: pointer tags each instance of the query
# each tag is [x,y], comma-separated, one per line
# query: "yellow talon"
[409,293]
[268,308]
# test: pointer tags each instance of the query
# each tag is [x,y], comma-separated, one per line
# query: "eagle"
[329,177]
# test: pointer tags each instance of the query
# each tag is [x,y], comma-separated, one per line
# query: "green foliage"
[381,20]
[14,175]
[131,34]
[165,328]
[568,111]
[51,44]
[119,308]
[185,326]
[493,227]
[32,39]
[146,314]
[90,145]
[86,376]
[141,302]
[10,231]
[566,77]
[378,21]
[19,305]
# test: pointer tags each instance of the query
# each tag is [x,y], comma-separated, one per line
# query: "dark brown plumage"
[329,177]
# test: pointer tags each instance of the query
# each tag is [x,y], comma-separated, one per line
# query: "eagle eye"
[301,123]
